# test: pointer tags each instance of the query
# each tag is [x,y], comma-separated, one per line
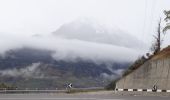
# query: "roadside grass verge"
[74,90]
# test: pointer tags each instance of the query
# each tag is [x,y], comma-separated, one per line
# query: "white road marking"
[130,89]
[159,90]
[120,89]
[140,90]
[149,90]
[56,99]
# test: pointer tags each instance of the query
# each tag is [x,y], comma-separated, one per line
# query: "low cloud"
[26,72]
[116,74]
[79,40]
[71,49]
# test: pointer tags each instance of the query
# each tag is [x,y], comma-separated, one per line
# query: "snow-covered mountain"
[82,52]
[85,29]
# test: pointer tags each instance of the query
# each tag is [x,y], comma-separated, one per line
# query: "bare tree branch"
[156,46]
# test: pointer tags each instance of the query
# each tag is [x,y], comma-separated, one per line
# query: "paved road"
[82,96]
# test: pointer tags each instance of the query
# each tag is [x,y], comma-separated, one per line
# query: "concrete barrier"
[153,72]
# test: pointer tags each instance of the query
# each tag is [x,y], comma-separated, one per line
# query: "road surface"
[77,96]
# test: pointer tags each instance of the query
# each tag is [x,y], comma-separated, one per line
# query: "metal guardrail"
[32,91]
[26,90]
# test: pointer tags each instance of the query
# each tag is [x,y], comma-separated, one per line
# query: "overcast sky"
[44,16]
[28,17]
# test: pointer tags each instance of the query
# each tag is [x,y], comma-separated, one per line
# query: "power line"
[147,29]
[152,15]
[144,22]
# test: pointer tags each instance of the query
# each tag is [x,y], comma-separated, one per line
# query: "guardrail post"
[5,90]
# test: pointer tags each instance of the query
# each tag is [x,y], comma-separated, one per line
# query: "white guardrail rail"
[36,90]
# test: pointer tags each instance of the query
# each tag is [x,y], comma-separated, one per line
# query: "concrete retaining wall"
[153,72]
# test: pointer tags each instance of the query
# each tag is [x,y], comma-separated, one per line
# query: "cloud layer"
[79,39]
[65,49]
[29,71]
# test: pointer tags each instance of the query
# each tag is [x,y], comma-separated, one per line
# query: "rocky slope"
[36,68]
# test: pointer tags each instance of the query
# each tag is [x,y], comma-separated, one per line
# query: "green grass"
[83,90]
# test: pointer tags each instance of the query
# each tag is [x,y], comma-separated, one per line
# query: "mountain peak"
[86,29]
[80,26]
